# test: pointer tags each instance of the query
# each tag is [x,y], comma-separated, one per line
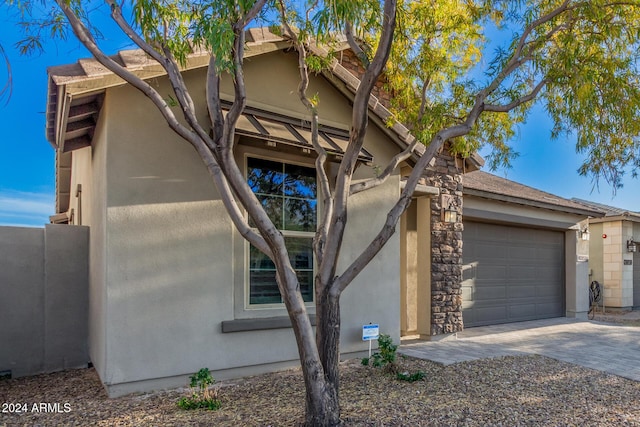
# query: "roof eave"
[531,203]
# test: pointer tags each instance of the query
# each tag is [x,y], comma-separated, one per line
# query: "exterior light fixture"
[631,245]
[449,212]
[584,234]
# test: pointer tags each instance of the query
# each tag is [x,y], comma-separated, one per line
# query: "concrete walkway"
[597,345]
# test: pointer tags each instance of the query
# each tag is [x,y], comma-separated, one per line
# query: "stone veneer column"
[446,239]
[446,248]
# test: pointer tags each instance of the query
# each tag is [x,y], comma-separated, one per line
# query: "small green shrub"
[201,396]
[385,357]
[410,377]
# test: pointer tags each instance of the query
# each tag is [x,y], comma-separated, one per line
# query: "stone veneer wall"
[350,61]
[446,239]
[446,248]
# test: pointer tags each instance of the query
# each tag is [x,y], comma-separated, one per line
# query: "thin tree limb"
[355,47]
[516,103]
[320,163]
[356,140]
[391,166]
[190,136]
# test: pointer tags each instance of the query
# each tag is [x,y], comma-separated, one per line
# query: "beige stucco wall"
[517,214]
[162,267]
[617,277]
[595,252]
[88,170]
[95,191]
[636,267]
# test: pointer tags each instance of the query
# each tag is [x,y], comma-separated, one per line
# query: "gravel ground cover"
[508,391]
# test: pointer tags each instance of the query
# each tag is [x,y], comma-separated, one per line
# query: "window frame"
[286,233]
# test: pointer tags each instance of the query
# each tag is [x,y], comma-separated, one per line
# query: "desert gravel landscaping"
[508,391]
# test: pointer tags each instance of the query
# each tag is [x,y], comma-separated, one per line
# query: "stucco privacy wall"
[43,309]
[174,265]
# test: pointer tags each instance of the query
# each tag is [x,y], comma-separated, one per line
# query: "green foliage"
[410,377]
[385,358]
[581,61]
[201,395]
[579,58]
[386,354]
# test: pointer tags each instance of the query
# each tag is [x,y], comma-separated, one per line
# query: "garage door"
[511,274]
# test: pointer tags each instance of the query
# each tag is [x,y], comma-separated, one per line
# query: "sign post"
[370,332]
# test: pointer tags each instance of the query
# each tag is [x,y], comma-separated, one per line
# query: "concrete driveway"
[603,346]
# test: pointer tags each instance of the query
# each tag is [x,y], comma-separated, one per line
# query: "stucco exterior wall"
[595,252]
[618,291]
[479,208]
[94,195]
[43,309]
[170,274]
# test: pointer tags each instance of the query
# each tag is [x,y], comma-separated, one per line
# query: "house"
[614,258]
[173,287]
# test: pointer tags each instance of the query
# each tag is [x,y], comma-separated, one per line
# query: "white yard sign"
[370,332]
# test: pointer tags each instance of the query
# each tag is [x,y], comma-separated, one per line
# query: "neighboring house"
[523,256]
[614,255]
[173,287]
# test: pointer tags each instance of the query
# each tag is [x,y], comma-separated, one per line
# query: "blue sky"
[27,182]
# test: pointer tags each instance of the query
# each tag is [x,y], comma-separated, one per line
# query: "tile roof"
[484,184]
[81,85]
[609,210]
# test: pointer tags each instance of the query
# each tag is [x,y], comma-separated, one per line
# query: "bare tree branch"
[251,14]
[320,163]
[382,178]
[7,89]
[356,140]
[240,94]
[190,136]
[517,59]
[516,103]
[84,36]
[355,47]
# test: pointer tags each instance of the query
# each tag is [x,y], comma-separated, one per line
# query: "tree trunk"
[321,396]
[328,343]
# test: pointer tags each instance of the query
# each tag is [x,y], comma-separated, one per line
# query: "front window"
[288,194]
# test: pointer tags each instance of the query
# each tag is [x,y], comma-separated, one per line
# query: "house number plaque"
[628,261]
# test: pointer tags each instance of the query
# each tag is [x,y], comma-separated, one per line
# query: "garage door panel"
[489,293]
[550,309]
[511,274]
[491,272]
[521,253]
[491,315]
[551,257]
[494,231]
[521,272]
[549,291]
[522,291]
[491,250]
[518,312]
[548,274]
